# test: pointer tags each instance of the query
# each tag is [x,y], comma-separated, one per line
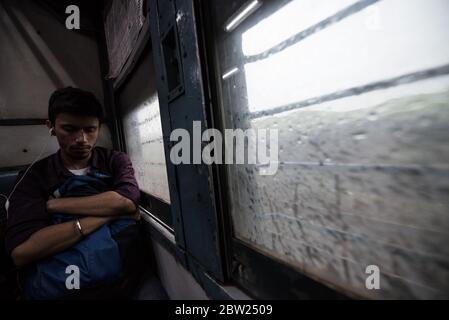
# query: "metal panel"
[123,21]
[155,20]
[199,218]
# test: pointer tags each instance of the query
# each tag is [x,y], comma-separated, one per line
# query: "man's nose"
[81,137]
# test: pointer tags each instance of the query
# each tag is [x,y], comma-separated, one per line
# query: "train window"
[356,91]
[139,107]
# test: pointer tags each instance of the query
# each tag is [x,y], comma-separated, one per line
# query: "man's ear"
[50,126]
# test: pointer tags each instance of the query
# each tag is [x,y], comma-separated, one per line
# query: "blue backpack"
[97,256]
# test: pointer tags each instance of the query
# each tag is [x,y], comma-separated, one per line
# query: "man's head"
[75,116]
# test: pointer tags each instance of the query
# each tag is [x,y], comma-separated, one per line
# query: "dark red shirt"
[27,210]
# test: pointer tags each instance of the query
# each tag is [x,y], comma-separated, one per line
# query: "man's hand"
[135,216]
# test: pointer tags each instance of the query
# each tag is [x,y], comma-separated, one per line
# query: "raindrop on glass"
[359,136]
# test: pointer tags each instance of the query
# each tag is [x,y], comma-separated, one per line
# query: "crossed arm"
[98,210]
[108,203]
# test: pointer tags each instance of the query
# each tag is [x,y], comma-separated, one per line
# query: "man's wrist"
[79,228]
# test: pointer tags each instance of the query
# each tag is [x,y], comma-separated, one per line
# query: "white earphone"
[52,132]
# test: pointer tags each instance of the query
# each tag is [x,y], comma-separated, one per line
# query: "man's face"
[77,135]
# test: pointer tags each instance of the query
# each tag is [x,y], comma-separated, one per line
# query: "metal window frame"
[158,208]
[179,89]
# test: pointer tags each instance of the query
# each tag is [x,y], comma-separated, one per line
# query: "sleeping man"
[75,211]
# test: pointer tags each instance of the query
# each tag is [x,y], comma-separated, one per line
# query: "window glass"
[358,92]
[142,128]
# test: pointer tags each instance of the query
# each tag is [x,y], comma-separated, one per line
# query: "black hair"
[74,101]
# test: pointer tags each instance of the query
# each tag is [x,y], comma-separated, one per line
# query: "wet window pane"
[359,94]
[143,131]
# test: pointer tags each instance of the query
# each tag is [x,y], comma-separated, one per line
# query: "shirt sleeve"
[124,182]
[27,212]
